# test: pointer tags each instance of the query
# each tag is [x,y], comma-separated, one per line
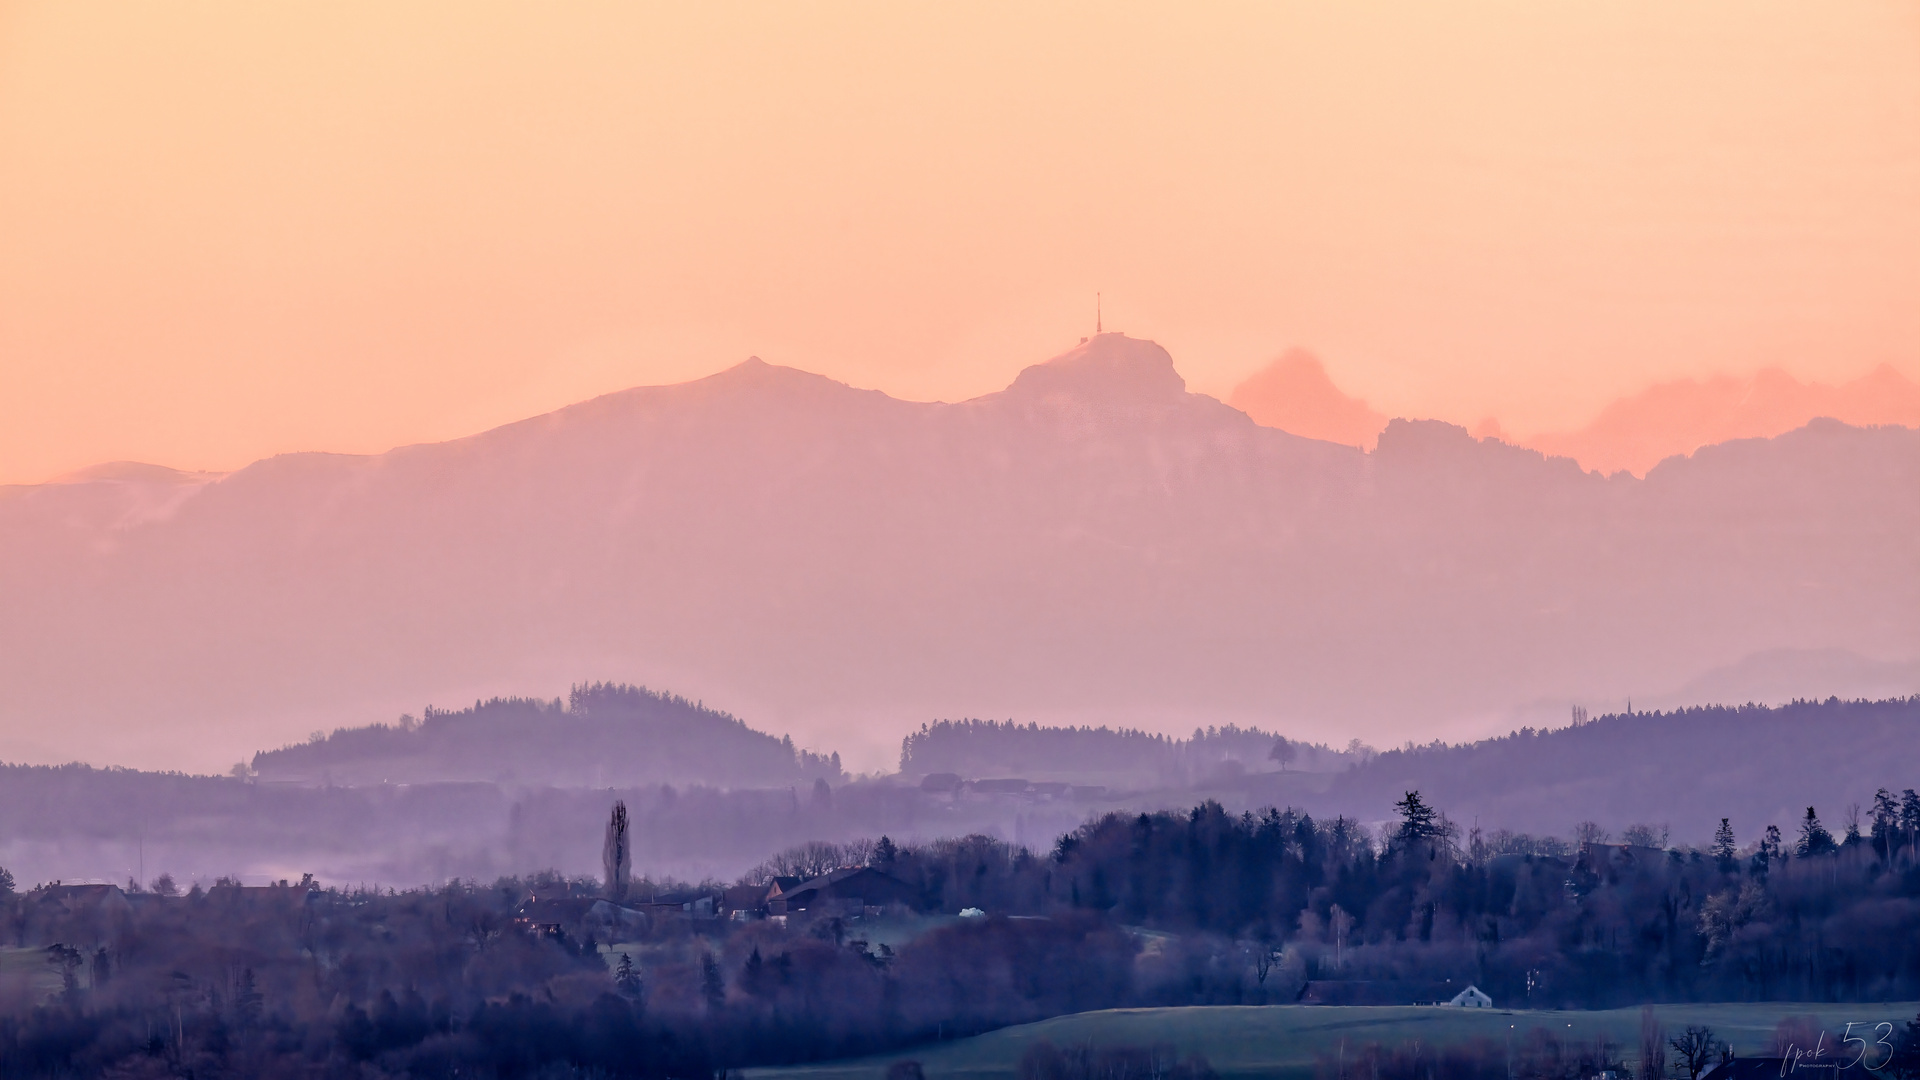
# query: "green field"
[26,977]
[1282,1041]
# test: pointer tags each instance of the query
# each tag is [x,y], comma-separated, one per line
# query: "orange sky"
[228,229]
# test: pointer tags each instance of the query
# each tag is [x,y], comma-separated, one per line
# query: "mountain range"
[1637,432]
[1294,393]
[1091,544]
[1632,433]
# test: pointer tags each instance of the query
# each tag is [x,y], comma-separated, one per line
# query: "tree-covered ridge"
[603,734]
[987,748]
[1755,764]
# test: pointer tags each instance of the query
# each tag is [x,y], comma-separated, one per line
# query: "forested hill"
[1755,765]
[1117,757]
[603,735]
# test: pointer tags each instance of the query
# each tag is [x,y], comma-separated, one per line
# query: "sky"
[230,229]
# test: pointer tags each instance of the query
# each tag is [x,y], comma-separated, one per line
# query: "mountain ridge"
[1633,433]
[845,565]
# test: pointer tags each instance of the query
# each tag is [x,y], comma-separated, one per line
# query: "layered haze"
[577,539]
[1092,544]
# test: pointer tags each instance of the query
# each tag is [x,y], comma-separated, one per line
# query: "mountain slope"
[1688,768]
[1092,543]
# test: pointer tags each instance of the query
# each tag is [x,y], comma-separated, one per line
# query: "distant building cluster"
[848,893]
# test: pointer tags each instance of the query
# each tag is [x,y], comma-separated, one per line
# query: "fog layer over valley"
[1093,544]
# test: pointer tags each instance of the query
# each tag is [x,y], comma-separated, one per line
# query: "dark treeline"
[288,981]
[1170,908]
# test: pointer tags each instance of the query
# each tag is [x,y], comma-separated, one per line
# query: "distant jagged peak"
[751,368]
[754,372]
[1425,441]
[1676,418]
[1295,394]
[1111,369]
[1424,445]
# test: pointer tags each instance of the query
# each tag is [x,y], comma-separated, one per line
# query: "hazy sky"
[229,229]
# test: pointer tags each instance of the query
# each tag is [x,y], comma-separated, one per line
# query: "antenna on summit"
[1096,313]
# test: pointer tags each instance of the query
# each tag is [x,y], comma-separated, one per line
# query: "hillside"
[1689,768]
[1091,545]
[1126,758]
[604,735]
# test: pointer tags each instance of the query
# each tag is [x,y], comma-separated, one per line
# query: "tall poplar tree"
[616,854]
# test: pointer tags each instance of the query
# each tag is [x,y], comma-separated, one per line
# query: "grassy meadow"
[26,979]
[1283,1041]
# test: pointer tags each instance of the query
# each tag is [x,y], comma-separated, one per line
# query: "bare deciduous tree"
[811,859]
[1342,924]
[1653,1047]
[1695,1048]
[1644,835]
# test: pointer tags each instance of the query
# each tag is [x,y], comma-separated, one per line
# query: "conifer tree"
[1723,846]
[1814,837]
[1886,823]
[1910,817]
[712,986]
[1419,823]
[1771,848]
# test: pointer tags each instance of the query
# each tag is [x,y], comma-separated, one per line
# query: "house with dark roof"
[1005,786]
[559,915]
[552,915]
[941,783]
[847,891]
[684,903]
[1378,992]
[1471,998]
[742,902]
[74,914]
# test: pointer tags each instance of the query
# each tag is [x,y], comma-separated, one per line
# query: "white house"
[1471,998]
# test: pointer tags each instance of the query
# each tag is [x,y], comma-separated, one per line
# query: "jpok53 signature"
[1872,1056]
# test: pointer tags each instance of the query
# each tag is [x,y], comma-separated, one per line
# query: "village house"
[850,891]
[1389,992]
[1471,998]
